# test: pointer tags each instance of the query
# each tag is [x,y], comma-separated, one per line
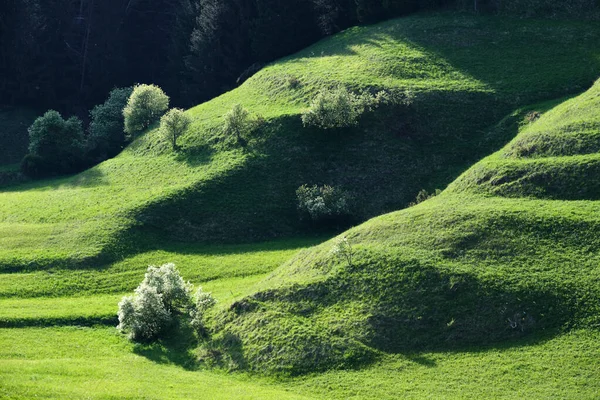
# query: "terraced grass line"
[101,309]
[197,263]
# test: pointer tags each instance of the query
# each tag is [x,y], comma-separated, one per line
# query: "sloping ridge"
[494,257]
[465,72]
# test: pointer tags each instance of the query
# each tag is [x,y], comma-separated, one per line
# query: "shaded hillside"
[505,251]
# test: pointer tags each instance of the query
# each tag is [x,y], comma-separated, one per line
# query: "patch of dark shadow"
[562,181]
[176,348]
[89,263]
[224,350]
[506,177]
[90,178]
[438,311]
[58,321]
[405,308]
[196,156]
[421,360]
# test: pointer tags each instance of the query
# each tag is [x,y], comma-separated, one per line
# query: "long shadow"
[176,348]
[528,59]
[421,310]
[90,178]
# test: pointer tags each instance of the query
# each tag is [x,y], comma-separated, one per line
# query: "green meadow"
[490,289]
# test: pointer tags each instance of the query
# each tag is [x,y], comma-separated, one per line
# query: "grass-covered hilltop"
[509,249]
[489,289]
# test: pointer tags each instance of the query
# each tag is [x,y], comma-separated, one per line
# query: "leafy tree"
[173,124]
[161,298]
[107,127]
[237,123]
[157,300]
[55,145]
[145,106]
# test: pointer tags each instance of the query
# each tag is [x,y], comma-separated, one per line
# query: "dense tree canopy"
[68,54]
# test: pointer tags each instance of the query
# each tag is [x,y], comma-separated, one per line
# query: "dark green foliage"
[195,49]
[14,138]
[106,136]
[55,146]
[424,195]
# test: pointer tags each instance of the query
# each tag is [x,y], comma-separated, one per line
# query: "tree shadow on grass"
[175,349]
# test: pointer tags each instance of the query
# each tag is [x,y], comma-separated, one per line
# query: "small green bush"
[337,109]
[203,301]
[173,124]
[106,136]
[55,146]
[341,108]
[424,195]
[342,249]
[323,203]
[145,106]
[237,123]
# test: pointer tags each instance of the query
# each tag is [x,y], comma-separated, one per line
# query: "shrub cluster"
[323,203]
[58,146]
[162,297]
[424,195]
[340,108]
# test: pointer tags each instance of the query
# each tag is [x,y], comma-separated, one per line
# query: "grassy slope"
[85,363]
[51,230]
[466,72]
[473,266]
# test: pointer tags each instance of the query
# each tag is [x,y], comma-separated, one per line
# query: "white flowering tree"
[162,297]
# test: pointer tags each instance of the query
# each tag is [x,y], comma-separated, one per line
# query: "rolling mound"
[465,73]
[472,266]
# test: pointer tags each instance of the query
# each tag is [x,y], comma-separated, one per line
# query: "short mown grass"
[487,290]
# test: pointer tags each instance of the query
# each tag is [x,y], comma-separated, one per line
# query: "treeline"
[68,54]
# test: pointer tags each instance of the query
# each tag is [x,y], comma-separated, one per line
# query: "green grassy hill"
[509,249]
[472,291]
[466,72]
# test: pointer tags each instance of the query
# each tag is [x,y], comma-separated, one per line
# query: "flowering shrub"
[322,202]
[162,296]
[150,311]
